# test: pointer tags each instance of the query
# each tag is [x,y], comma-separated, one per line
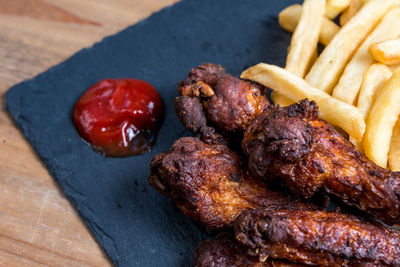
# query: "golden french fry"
[381,120]
[327,69]
[335,7]
[305,38]
[295,88]
[394,152]
[290,16]
[350,82]
[354,7]
[313,59]
[375,78]
[386,52]
[394,67]
[281,100]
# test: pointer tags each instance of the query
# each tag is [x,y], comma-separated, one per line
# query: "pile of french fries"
[355,80]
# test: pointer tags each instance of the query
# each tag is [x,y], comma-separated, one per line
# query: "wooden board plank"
[38,225]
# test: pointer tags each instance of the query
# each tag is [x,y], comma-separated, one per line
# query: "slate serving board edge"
[68,191]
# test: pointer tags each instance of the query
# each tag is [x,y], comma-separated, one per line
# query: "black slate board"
[133,223]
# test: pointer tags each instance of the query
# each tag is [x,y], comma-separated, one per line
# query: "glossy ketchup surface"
[119,117]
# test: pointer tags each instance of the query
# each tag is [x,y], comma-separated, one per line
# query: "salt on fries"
[335,7]
[354,7]
[375,78]
[305,38]
[386,52]
[331,63]
[394,153]
[350,82]
[290,16]
[295,88]
[381,120]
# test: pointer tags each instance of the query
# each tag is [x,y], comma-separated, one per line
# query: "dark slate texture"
[133,223]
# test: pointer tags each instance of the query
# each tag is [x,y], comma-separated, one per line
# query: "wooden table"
[38,226]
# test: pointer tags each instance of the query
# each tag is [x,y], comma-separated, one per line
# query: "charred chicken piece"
[308,154]
[317,238]
[225,251]
[210,96]
[209,184]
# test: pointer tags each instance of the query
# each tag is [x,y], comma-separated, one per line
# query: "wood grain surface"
[38,226]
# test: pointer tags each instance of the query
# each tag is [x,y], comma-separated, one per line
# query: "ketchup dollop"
[119,117]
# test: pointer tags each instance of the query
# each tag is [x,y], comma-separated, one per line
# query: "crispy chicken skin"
[225,251]
[209,184]
[210,96]
[308,154]
[317,238]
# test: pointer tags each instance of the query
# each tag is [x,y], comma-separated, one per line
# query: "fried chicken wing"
[225,251]
[317,238]
[209,183]
[210,96]
[308,154]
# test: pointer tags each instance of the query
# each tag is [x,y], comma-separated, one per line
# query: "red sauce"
[119,117]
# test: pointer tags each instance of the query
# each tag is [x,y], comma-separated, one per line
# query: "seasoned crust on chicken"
[225,251]
[308,154]
[210,96]
[209,183]
[317,238]
[190,112]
